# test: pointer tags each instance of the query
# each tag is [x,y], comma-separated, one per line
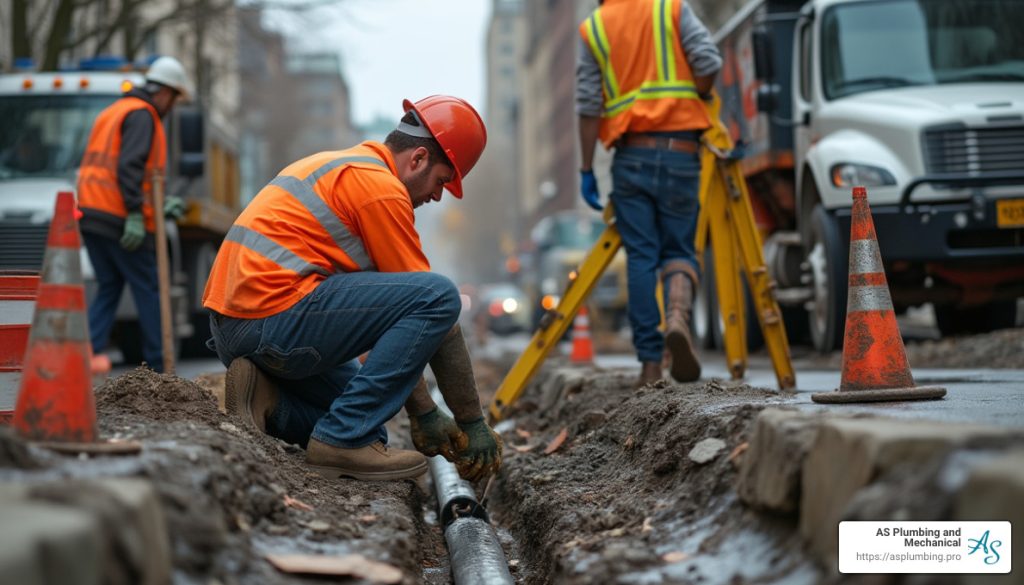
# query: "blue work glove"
[588,190]
[134,231]
[174,207]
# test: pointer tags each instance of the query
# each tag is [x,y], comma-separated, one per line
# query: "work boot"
[679,284]
[650,372]
[249,393]
[374,462]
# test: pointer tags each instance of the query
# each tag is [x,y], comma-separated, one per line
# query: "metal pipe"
[476,554]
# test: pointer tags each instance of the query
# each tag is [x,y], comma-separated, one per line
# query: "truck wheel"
[706,322]
[827,257]
[952,320]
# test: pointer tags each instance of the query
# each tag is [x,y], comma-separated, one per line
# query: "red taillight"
[495,308]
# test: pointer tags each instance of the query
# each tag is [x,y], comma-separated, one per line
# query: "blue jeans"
[311,349]
[656,197]
[114,266]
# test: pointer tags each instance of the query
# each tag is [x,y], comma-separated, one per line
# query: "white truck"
[922,102]
[47,118]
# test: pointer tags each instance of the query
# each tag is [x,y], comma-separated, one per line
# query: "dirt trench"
[642,488]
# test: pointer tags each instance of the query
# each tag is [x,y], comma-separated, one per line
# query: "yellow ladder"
[727,216]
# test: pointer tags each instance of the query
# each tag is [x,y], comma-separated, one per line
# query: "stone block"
[769,476]
[47,544]
[135,546]
[994,491]
[848,454]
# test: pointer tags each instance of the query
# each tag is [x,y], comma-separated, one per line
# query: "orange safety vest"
[300,229]
[97,176]
[646,80]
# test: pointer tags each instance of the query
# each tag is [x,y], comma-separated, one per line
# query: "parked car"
[502,309]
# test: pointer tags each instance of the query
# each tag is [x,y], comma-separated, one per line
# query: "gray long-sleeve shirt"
[701,54]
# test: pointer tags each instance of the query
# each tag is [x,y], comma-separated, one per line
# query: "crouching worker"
[324,265]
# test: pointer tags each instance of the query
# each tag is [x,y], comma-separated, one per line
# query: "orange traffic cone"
[55,402]
[582,346]
[875,366]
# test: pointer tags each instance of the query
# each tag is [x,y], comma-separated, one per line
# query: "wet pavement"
[981,396]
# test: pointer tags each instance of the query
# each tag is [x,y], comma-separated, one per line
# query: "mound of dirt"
[231,494]
[158,397]
[999,349]
[629,495]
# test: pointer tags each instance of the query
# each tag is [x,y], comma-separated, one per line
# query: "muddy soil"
[232,495]
[998,349]
[624,499]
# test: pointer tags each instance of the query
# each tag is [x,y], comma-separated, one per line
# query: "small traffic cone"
[582,346]
[55,402]
[875,366]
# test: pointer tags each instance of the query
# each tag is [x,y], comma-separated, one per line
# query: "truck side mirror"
[190,133]
[762,42]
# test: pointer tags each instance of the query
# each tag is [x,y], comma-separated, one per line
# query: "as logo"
[989,548]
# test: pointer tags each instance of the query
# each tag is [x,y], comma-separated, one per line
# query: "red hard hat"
[459,130]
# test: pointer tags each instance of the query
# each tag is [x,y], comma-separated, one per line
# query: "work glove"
[134,231]
[479,452]
[174,207]
[435,433]
[588,190]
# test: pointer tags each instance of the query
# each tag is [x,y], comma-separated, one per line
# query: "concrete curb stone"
[769,476]
[850,453]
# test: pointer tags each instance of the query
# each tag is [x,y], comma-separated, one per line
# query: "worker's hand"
[435,433]
[174,207]
[134,231]
[479,452]
[588,190]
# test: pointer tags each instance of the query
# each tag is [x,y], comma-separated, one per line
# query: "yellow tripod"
[725,215]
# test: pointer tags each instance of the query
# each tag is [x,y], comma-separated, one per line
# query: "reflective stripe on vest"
[303,190]
[271,250]
[668,84]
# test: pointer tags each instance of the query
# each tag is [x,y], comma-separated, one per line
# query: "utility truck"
[47,118]
[920,101]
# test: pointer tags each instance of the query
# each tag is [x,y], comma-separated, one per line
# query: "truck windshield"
[45,136]
[867,46]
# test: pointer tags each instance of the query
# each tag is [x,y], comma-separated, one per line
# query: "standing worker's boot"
[680,282]
[650,372]
[374,462]
[249,393]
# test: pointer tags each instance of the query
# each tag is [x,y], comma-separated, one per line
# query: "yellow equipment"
[727,218]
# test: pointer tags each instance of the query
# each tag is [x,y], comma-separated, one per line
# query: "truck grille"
[974,150]
[22,245]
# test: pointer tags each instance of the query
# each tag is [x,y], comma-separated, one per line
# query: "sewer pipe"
[473,546]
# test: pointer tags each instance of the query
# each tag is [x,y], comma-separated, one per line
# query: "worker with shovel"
[324,265]
[127,148]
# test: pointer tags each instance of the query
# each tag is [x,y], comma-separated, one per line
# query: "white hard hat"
[170,72]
